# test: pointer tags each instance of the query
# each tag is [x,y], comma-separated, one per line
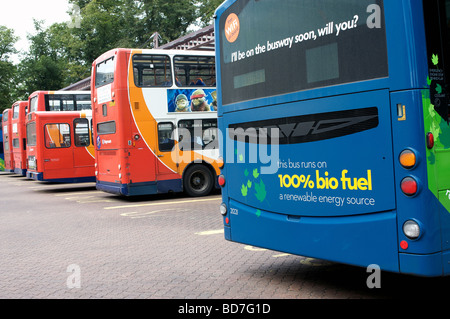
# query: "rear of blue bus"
[325,109]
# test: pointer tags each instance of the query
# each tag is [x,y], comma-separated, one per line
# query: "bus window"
[6,143]
[83,102]
[195,71]
[33,104]
[165,137]
[15,143]
[197,134]
[59,103]
[16,109]
[31,134]
[57,135]
[104,72]
[81,128]
[106,128]
[152,70]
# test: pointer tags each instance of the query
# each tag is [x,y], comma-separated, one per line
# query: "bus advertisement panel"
[18,136]
[59,147]
[335,130]
[156,122]
[7,142]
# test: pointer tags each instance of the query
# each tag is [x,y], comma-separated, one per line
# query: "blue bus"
[334,117]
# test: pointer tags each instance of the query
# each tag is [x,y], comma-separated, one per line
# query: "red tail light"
[430,141]
[409,186]
[222,180]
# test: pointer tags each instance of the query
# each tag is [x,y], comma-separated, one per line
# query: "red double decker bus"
[7,142]
[18,137]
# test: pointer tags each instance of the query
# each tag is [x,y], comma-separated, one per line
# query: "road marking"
[87,192]
[210,232]
[146,214]
[164,203]
[281,255]
[251,248]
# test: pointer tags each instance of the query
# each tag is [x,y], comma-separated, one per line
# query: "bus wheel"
[198,181]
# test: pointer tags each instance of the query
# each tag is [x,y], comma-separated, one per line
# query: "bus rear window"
[33,103]
[106,128]
[104,72]
[311,44]
[57,135]
[31,134]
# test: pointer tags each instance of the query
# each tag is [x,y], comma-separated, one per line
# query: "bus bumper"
[360,240]
[20,171]
[40,177]
[127,189]
[136,189]
[35,175]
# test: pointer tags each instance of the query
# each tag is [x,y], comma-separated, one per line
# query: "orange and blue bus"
[59,146]
[8,164]
[155,121]
[18,137]
[336,136]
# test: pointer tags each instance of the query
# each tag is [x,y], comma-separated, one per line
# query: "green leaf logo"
[258,213]
[255,173]
[244,190]
[435,59]
[260,191]
[438,89]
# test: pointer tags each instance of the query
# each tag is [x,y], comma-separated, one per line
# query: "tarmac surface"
[71,241]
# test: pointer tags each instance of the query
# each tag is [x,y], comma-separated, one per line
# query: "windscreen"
[272,47]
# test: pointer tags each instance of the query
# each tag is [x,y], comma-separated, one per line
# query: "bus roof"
[112,52]
[59,92]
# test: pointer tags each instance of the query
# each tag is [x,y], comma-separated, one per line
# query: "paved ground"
[72,241]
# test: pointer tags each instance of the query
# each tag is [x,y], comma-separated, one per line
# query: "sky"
[18,15]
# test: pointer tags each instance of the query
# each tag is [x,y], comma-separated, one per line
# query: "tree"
[7,68]
[43,66]
[207,8]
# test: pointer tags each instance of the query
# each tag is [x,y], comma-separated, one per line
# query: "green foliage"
[63,53]
[7,69]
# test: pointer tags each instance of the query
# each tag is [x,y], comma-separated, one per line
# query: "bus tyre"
[198,181]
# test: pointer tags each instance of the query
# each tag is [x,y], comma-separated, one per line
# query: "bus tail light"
[221,180]
[430,141]
[409,186]
[408,159]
